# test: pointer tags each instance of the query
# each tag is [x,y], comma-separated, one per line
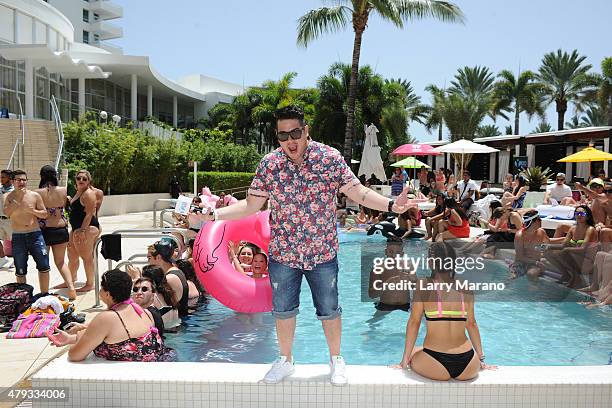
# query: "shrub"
[130,161]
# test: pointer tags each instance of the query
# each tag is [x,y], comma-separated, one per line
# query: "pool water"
[514,333]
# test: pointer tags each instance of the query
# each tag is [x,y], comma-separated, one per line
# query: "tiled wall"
[153,385]
[157,394]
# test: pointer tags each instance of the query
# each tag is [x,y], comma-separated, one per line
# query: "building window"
[96,38]
[85,37]
[96,17]
[86,16]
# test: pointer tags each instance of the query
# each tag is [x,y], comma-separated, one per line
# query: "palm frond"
[323,20]
[446,11]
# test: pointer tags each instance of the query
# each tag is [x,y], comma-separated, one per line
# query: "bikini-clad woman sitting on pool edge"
[447,352]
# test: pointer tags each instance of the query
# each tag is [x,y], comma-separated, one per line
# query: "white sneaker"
[337,374]
[5,262]
[281,368]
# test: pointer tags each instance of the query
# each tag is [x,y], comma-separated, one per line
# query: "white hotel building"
[59,48]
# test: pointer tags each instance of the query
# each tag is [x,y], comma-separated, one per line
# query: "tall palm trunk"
[517,114]
[561,109]
[352,96]
[440,132]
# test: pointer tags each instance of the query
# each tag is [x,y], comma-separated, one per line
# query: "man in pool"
[301,180]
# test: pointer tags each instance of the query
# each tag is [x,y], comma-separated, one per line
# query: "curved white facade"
[34,22]
[42,55]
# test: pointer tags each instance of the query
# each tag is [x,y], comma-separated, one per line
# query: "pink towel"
[33,325]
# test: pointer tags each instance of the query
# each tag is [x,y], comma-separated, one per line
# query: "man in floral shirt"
[301,180]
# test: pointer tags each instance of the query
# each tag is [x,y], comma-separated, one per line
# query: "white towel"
[49,300]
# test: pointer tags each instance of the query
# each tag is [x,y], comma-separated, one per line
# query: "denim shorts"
[286,283]
[29,243]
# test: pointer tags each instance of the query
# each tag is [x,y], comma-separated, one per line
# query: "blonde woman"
[85,227]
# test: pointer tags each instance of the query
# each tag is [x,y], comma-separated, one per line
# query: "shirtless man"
[24,208]
[528,257]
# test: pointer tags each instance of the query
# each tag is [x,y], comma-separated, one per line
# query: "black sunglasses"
[295,134]
[142,289]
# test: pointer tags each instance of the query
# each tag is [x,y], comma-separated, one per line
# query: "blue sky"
[248,42]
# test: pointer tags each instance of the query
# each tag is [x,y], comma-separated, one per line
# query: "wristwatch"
[391,202]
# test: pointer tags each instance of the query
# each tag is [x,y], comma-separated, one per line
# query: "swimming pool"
[514,333]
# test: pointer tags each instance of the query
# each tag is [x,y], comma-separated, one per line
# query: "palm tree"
[488,131]
[357,12]
[543,127]
[565,79]
[434,111]
[604,93]
[594,116]
[573,123]
[473,82]
[522,92]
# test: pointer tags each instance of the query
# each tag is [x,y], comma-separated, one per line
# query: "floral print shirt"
[303,203]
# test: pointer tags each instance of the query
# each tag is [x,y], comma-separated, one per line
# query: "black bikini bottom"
[55,235]
[454,363]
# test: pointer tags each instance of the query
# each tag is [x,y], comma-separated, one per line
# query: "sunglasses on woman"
[142,289]
[295,134]
[580,214]
[79,178]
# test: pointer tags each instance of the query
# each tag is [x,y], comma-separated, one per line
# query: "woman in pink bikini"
[125,332]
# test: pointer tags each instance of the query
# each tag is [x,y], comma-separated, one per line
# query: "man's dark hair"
[146,279]
[290,112]
[466,172]
[7,172]
[18,172]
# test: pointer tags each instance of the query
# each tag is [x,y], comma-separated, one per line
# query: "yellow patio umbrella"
[589,154]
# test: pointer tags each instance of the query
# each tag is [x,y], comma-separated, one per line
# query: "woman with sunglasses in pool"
[85,226]
[447,352]
[576,255]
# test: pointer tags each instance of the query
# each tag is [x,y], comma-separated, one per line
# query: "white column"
[492,162]
[606,149]
[174,111]
[150,100]
[568,166]
[530,155]
[29,89]
[16,27]
[81,96]
[134,99]
[517,150]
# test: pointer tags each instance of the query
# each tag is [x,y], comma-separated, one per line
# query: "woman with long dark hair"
[576,256]
[164,299]
[455,223]
[55,227]
[196,290]
[517,196]
[447,352]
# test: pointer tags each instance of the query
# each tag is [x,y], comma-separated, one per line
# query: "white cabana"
[371,162]
[464,147]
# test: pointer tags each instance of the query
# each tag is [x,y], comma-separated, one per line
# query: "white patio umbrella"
[463,147]
[371,162]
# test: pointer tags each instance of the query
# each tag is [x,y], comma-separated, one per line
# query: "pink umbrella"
[413,149]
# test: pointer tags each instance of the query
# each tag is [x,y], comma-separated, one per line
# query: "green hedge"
[130,161]
[220,181]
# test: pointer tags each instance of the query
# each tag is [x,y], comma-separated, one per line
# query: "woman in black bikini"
[447,352]
[55,227]
[85,226]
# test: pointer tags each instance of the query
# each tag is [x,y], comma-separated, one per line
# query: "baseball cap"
[597,181]
[165,249]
